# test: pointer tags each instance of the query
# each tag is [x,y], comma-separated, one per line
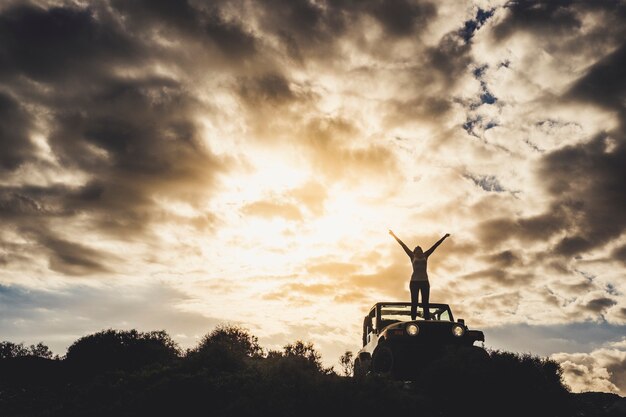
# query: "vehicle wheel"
[383,360]
[474,356]
[359,372]
[479,355]
[361,367]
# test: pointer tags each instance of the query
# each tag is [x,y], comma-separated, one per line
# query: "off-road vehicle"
[395,344]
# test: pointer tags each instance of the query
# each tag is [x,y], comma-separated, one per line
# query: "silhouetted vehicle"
[396,345]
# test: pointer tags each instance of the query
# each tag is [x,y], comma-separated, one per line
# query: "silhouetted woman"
[419,277]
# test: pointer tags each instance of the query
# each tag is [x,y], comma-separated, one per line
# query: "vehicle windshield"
[389,312]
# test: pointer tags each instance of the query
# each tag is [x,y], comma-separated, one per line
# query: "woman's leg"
[414,287]
[425,298]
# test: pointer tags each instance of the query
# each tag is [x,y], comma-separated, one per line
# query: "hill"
[131,373]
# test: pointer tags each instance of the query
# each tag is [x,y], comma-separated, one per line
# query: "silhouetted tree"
[40,350]
[12,350]
[306,352]
[347,363]
[127,350]
[16,350]
[232,338]
[228,348]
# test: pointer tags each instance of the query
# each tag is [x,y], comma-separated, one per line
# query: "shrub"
[347,363]
[129,350]
[16,350]
[235,339]
[306,353]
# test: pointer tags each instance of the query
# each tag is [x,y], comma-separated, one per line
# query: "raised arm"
[405,247]
[433,247]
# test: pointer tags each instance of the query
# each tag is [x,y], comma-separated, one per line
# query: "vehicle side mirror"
[462,321]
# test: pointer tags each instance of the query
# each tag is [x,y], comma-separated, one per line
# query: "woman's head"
[418,250]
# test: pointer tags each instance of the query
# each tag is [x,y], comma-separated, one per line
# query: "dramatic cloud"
[248,157]
[600,370]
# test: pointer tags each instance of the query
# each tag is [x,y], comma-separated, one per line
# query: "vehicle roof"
[404,303]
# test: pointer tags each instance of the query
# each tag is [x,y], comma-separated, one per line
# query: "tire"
[473,356]
[479,355]
[361,368]
[358,370]
[383,360]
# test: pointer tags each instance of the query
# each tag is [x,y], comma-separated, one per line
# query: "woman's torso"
[419,268]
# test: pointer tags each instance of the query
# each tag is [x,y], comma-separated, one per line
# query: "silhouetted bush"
[305,355]
[16,350]
[111,350]
[225,349]
[504,383]
[347,363]
[235,339]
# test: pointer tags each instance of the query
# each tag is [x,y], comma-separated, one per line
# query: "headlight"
[412,330]
[457,330]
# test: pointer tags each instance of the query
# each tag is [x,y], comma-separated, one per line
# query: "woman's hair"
[418,247]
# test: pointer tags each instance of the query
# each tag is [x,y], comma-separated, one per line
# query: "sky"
[180,164]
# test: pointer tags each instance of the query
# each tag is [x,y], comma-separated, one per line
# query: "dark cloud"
[500,276]
[60,43]
[617,371]
[400,18]
[604,83]
[431,80]
[311,29]
[305,27]
[586,182]
[542,17]
[450,58]
[138,140]
[599,305]
[397,18]
[590,182]
[200,23]
[588,179]
[25,202]
[175,13]
[270,88]
[15,128]
[230,37]
[574,288]
[540,227]
[505,258]
[134,138]
[72,258]
[619,254]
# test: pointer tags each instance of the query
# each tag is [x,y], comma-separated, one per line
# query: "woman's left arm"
[433,247]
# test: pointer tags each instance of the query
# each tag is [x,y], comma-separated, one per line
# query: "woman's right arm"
[405,247]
